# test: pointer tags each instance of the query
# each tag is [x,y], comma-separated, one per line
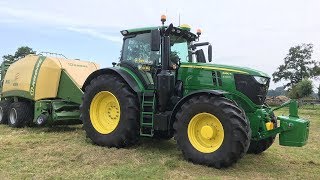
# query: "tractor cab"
[141,51]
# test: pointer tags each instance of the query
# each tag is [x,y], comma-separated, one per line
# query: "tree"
[319,91]
[301,89]
[20,53]
[297,65]
[316,70]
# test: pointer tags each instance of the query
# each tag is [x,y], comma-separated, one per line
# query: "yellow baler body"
[37,77]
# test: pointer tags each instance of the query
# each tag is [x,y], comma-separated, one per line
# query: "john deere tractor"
[164,87]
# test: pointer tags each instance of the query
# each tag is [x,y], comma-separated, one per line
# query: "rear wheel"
[212,131]
[110,112]
[4,109]
[20,114]
[257,147]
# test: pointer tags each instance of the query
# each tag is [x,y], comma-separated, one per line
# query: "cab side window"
[137,49]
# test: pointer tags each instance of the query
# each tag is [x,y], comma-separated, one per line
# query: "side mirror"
[155,40]
[210,52]
[200,56]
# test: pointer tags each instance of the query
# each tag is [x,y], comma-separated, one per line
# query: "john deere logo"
[35,74]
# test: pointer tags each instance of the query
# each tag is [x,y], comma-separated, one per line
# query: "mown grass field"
[65,153]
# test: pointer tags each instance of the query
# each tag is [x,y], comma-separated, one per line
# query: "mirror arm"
[194,46]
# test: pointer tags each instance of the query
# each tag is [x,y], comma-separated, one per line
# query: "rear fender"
[134,84]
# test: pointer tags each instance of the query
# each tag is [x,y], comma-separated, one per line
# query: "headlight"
[261,80]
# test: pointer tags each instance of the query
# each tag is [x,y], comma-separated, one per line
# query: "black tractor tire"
[4,111]
[20,114]
[257,147]
[126,133]
[236,130]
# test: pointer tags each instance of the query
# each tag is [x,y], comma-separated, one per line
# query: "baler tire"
[42,120]
[126,132]
[257,147]
[236,131]
[4,111]
[20,114]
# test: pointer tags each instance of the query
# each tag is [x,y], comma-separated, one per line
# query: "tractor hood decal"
[219,67]
[214,68]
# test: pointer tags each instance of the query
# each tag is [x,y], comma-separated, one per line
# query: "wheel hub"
[13,116]
[208,132]
[1,114]
[112,111]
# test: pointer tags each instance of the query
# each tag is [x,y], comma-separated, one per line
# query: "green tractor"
[163,87]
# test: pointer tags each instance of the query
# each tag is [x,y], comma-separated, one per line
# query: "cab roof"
[178,31]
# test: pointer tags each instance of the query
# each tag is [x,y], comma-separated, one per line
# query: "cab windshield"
[137,49]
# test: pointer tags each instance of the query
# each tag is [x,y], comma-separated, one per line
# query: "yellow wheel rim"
[105,112]
[205,132]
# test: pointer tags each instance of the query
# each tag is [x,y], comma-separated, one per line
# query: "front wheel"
[212,131]
[110,112]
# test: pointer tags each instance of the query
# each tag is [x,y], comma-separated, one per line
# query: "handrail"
[51,53]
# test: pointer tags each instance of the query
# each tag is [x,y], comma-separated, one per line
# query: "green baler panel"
[68,89]
[62,110]
[59,112]
[296,133]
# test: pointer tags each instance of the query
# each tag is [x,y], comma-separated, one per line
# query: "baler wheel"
[212,131]
[20,114]
[42,120]
[110,112]
[4,109]
[257,147]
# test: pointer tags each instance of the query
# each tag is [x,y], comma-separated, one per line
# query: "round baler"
[43,90]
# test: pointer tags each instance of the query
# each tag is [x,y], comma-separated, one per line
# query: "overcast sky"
[249,33]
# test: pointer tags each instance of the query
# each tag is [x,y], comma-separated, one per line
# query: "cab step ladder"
[147,113]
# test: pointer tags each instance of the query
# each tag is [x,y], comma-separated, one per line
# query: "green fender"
[193,94]
[132,80]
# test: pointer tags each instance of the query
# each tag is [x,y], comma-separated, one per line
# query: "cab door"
[138,57]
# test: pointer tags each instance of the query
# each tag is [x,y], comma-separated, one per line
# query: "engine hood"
[226,68]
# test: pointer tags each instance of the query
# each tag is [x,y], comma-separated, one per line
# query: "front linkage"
[293,131]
